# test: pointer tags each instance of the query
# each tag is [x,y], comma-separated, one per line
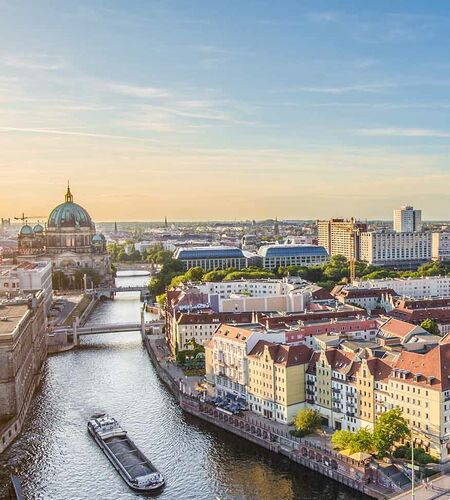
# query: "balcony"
[336,409]
[310,391]
[310,382]
[310,400]
[336,390]
[350,414]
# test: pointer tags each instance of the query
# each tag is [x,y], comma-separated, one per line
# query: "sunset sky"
[225,110]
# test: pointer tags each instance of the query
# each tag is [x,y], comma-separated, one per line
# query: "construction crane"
[24,218]
[354,232]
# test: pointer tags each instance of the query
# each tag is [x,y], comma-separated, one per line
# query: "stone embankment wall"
[323,460]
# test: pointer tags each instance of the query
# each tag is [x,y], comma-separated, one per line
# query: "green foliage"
[189,357]
[217,275]
[60,281]
[161,299]
[79,277]
[342,439]
[390,428]
[248,274]
[307,421]
[361,440]
[430,326]
[169,270]
[420,455]
[118,254]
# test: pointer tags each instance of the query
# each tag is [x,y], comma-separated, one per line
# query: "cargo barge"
[133,466]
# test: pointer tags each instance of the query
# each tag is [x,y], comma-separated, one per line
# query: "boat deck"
[129,456]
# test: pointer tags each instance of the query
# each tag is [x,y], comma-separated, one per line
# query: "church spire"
[69,197]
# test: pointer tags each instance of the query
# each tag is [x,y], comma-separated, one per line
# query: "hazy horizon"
[236,110]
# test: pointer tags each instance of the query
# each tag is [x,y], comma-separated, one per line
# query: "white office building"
[390,248]
[440,246]
[407,220]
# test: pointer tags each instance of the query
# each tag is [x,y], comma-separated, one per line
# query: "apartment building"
[419,384]
[341,236]
[331,388]
[396,249]
[229,364]
[276,380]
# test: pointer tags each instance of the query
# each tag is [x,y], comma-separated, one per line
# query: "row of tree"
[390,429]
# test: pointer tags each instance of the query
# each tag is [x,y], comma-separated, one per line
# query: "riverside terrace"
[358,473]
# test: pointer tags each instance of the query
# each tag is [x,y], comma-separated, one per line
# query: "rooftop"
[10,317]
[291,250]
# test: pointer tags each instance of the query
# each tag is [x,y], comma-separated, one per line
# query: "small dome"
[97,238]
[38,229]
[26,230]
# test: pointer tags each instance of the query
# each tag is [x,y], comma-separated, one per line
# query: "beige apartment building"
[276,380]
[341,236]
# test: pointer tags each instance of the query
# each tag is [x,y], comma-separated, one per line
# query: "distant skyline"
[234,110]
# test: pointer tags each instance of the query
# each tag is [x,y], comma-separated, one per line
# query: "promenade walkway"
[439,488]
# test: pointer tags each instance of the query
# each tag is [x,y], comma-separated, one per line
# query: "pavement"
[438,488]
[70,302]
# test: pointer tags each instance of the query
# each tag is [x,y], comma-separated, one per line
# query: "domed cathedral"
[69,240]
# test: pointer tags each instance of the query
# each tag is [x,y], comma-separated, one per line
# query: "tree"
[430,326]
[342,439]
[194,274]
[362,441]
[390,428]
[60,281]
[217,275]
[308,421]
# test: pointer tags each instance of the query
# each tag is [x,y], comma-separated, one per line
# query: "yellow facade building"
[276,380]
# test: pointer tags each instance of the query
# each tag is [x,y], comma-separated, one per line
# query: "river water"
[56,459]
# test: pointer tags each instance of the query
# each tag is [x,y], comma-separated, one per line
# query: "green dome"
[69,214]
[97,238]
[38,229]
[26,230]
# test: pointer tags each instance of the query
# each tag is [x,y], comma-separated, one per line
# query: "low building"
[276,380]
[417,310]
[275,256]
[218,257]
[23,350]
[427,286]
[27,277]
[200,326]
[367,298]
[393,331]
[345,329]
[395,249]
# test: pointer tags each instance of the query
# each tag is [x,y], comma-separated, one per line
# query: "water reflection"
[57,460]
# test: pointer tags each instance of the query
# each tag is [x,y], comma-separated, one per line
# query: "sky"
[225,110]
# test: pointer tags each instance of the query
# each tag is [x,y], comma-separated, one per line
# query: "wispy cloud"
[403,132]
[71,133]
[33,61]
[342,89]
[137,91]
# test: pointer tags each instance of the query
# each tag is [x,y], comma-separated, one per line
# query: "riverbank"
[360,476]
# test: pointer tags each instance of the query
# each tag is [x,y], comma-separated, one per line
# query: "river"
[57,460]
